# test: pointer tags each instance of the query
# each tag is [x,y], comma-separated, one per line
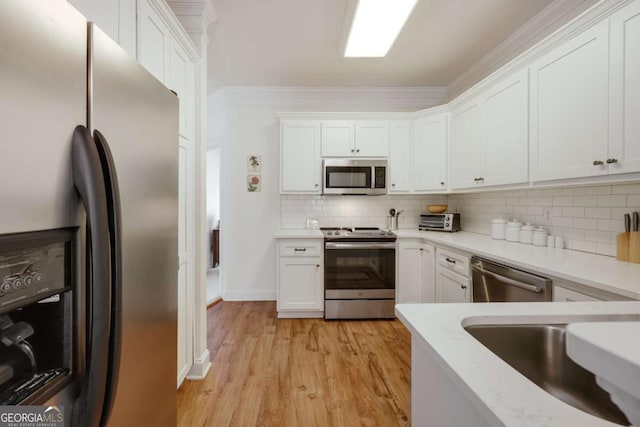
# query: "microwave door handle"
[115,240]
[88,180]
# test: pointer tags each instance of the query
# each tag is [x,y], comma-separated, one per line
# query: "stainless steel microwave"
[439,222]
[351,176]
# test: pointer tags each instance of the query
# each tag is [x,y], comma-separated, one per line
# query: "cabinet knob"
[352,150]
[597,162]
[316,185]
[422,249]
[609,161]
[358,150]
[317,265]
[441,182]
[463,287]
[393,185]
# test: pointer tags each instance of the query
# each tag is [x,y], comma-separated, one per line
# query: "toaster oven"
[439,222]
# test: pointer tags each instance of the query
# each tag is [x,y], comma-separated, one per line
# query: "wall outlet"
[548,216]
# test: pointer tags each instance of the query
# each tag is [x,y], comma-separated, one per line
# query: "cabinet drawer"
[454,262]
[300,247]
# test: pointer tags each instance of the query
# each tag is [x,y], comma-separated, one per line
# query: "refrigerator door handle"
[115,239]
[89,181]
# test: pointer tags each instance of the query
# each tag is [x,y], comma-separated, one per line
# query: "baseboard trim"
[249,295]
[214,301]
[200,367]
[300,314]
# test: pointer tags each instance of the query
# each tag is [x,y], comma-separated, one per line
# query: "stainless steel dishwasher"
[493,282]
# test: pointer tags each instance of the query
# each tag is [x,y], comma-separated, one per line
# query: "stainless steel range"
[359,273]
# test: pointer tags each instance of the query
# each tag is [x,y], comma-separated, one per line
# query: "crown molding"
[532,32]
[333,98]
[588,18]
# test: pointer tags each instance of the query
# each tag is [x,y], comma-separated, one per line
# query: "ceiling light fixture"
[376,25]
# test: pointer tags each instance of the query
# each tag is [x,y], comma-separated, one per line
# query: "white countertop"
[506,396]
[299,234]
[597,271]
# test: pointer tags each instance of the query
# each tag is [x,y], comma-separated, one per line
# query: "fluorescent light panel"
[376,25]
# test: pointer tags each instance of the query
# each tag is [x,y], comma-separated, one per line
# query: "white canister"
[559,242]
[512,231]
[526,233]
[540,236]
[498,228]
[551,241]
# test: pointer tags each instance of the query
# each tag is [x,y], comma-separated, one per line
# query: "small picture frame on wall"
[254,183]
[254,163]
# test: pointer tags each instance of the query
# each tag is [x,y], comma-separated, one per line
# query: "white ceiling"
[300,42]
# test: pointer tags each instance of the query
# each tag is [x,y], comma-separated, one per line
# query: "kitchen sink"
[538,352]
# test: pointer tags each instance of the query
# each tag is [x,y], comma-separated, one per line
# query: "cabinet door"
[372,138]
[416,273]
[506,119]
[399,157]
[181,81]
[624,126]
[451,287]
[561,294]
[300,284]
[300,168]
[430,154]
[569,99]
[338,138]
[154,42]
[467,145]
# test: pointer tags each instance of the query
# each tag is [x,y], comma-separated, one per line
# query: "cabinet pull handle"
[463,287]
[609,161]
[300,249]
[317,265]
[422,249]
[597,162]
[449,260]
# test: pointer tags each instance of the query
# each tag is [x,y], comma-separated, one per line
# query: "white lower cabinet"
[573,293]
[300,278]
[416,272]
[452,276]
[451,287]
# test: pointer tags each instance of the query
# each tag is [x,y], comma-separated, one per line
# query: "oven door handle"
[360,245]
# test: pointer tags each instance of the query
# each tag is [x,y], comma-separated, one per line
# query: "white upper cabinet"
[467,145]
[348,138]
[338,138]
[399,157]
[430,153]
[154,42]
[506,125]
[569,103]
[181,81]
[372,138]
[489,136]
[624,86]
[300,163]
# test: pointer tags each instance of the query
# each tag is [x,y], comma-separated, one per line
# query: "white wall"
[247,119]
[213,187]
[587,217]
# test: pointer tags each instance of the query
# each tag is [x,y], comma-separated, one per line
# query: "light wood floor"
[299,372]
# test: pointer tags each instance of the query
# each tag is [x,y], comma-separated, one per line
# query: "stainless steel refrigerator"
[58,72]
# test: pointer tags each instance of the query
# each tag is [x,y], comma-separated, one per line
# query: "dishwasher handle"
[507,280]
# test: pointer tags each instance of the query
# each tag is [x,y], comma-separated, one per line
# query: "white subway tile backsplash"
[612,201]
[587,217]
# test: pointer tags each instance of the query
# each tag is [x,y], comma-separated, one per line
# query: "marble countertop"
[504,394]
[597,271]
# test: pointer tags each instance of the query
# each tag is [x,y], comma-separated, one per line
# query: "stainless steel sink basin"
[538,352]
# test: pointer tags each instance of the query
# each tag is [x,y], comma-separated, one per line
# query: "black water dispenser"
[37,286]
